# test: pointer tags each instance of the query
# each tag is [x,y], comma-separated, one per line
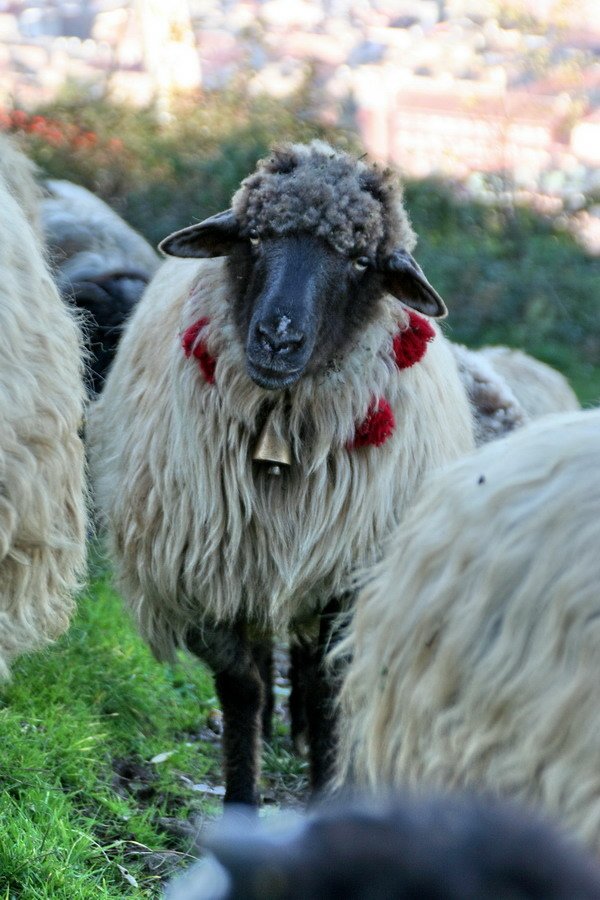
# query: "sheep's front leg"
[240,690]
[300,664]
[320,707]
[262,651]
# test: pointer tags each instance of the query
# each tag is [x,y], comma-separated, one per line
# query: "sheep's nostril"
[278,339]
[293,339]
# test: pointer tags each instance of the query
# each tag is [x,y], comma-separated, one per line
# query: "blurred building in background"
[470,89]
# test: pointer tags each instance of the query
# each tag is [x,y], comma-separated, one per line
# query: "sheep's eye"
[254,237]
[360,263]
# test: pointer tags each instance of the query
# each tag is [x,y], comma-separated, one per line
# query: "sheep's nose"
[278,337]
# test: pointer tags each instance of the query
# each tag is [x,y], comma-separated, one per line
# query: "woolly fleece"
[475,646]
[42,493]
[496,410]
[19,179]
[195,529]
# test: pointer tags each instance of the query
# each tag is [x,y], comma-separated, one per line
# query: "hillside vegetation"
[507,274]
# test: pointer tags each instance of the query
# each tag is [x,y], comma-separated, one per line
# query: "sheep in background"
[42,499]
[101,264]
[300,346]
[475,647]
[539,388]
[508,388]
[440,848]
[496,410]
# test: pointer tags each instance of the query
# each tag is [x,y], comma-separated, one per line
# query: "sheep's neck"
[272,450]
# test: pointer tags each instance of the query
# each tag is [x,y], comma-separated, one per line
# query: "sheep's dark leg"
[320,707]
[262,651]
[240,691]
[240,694]
[300,664]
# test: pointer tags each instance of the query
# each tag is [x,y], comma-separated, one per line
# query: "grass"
[85,811]
[81,802]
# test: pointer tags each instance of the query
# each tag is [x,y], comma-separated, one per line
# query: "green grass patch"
[80,799]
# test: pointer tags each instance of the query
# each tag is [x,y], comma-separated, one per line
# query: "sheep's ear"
[404,278]
[212,237]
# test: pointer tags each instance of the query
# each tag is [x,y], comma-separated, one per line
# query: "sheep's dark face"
[298,303]
[106,303]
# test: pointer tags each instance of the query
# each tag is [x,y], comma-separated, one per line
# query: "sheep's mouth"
[272,379]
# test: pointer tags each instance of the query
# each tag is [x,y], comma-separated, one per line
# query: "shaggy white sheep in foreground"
[476,645]
[303,333]
[42,496]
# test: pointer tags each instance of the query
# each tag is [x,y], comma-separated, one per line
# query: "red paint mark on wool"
[193,346]
[377,427]
[410,345]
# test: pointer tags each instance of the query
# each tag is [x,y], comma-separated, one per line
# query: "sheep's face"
[298,303]
[106,302]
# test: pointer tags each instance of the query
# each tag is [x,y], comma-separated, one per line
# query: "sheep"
[508,388]
[301,346]
[475,646]
[539,388]
[42,498]
[496,410]
[100,263]
[439,847]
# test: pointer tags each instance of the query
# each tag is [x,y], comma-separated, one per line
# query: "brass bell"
[272,448]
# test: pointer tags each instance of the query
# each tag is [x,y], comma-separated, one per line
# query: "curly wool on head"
[356,207]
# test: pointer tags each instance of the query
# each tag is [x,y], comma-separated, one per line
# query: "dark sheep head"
[314,240]
[441,848]
[106,302]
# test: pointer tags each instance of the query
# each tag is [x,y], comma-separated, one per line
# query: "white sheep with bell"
[297,342]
